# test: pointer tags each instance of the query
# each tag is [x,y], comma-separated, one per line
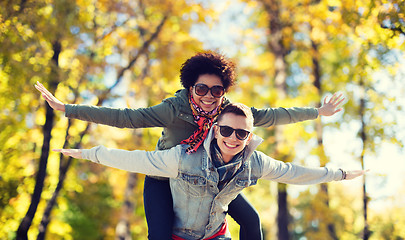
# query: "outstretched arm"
[158,163]
[267,117]
[161,115]
[50,98]
[295,174]
[331,107]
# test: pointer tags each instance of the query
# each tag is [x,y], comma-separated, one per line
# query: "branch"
[394,29]
[141,51]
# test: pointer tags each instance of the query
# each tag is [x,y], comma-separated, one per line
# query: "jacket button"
[209,227]
[213,213]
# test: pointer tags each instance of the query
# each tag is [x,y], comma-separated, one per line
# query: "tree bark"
[316,71]
[363,135]
[63,168]
[123,227]
[103,96]
[279,50]
[22,231]
[283,219]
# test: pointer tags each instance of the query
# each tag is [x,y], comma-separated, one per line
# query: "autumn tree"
[128,53]
[82,45]
[325,45]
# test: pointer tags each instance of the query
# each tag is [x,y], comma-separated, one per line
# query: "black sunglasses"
[227,131]
[202,89]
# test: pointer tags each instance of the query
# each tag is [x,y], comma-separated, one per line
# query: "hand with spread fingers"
[50,98]
[330,107]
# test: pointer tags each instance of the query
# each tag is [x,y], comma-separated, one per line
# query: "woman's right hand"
[51,99]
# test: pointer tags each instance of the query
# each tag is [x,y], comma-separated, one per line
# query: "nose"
[209,94]
[233,136]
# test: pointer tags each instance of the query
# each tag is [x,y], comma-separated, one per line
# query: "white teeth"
[230,145]
[207,103]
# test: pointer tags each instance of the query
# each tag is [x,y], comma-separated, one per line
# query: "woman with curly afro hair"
[186,118]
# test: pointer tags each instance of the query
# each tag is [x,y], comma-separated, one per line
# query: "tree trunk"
[366,231]
[282,215]
[279,50]
[22,231]
[64,168]
[123,227]
[46,216]
[316,71]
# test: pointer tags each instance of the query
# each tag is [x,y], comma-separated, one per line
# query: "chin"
[228,151]
[209,109]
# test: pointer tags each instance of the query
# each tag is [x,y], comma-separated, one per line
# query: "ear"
[249,138]
[216,130]
[191,89]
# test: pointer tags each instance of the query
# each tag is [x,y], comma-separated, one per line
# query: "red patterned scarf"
[204,120]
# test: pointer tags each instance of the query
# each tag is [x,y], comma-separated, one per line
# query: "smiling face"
[207,102]
[230,146]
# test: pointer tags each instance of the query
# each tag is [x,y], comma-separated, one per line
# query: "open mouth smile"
[229,145]
[208,103]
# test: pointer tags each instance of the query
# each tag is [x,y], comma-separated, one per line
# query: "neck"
[227,158]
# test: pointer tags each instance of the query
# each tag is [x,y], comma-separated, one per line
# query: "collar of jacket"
[251,147]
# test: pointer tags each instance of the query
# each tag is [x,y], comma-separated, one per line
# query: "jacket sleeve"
[294,174]
[277,116]
[163,163]
[160,115]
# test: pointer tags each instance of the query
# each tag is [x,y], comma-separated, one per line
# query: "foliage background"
[128,54]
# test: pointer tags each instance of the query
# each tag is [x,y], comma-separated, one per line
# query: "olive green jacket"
[174,115]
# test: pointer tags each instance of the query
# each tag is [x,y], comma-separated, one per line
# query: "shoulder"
[257,157]
[258,160]
[180,99]
[190,160]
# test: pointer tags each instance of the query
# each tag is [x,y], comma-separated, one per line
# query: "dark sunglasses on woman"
[202,89]
[227,131]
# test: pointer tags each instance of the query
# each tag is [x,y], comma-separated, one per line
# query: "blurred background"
[128,54]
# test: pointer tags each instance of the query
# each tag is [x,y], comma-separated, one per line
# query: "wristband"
[344,173]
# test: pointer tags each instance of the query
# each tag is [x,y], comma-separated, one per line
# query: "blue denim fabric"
[200,208]
[159,213]
[199,205]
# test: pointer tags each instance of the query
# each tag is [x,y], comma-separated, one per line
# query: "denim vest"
[200,208]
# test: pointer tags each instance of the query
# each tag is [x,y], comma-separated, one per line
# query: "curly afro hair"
[208,62]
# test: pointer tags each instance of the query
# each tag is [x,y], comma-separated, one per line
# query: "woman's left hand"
[329,108]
